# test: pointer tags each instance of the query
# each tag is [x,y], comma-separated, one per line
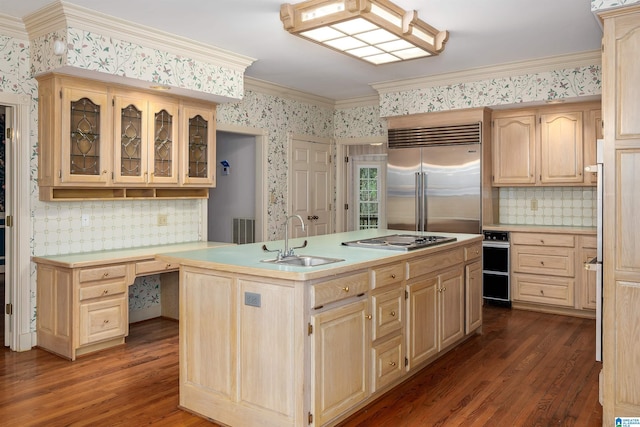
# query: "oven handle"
[495,244]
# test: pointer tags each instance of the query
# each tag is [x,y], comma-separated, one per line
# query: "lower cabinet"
[340,359]
[473,292]
[436,314]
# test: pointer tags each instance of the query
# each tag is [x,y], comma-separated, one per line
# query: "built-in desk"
[82,299]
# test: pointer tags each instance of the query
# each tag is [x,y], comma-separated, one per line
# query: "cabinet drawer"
[150,267]
[388,275]
[472,251]
[546,290]
[103,273]
[541,239]
[437,261]
[102,290]
[388,362]
[338,289]
[103,320]
[387,309]
[547,261]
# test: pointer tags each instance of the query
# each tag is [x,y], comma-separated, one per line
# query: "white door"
[310,187]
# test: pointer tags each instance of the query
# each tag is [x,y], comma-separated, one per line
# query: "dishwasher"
[496,283]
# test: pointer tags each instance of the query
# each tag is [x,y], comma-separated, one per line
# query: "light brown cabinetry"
[84,309]
[298,351]
[436,305]
[146,136]
[543,267]
[620,385]
[105,141]
[341,347]
[543,146]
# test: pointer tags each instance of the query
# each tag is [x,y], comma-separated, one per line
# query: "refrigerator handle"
[424,201]
[418,190]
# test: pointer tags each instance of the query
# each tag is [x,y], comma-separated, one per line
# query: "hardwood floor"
[527,369]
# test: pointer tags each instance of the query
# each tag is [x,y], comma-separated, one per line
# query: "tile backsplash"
[568,206]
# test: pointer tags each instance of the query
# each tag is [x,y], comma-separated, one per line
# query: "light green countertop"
[247,258]
[86,259]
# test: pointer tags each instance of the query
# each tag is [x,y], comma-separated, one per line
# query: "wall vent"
[438,135]
[244,230]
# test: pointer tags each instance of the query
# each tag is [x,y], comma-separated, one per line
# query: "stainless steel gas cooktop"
[400,242]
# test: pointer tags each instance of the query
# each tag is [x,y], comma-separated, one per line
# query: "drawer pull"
[392,363]
[393,314]
[369,317]
[541,292]
[105,292]
[168,266]
[106,321]
[106,274]
[542,241]
[541,262]
[346,289]
[393,276]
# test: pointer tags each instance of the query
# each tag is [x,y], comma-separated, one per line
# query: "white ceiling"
[481,33]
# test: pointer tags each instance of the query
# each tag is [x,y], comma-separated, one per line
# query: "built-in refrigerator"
[434,187]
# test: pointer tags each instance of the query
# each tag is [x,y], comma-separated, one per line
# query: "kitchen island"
[279,345]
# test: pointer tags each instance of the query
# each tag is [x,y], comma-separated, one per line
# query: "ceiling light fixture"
[376,31]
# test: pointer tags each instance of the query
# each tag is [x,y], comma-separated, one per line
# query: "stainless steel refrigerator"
[434,188]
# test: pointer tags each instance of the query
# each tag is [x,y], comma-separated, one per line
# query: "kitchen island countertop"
[247,258]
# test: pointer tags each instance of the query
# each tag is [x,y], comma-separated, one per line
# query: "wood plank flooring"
[527,369]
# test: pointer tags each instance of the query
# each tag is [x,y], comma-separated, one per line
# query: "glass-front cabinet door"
[85,137]
[163,143]
[130,149]
[199,145]
[146,141]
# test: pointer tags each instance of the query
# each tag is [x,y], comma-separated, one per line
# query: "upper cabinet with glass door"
[199,145]
[74,133]
[146,140]
[130,143]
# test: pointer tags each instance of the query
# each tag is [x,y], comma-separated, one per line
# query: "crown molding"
[509,69]
[273,89]
[13,27]
[61,15]
[368,101]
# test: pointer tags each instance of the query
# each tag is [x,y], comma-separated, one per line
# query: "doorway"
[237,205]
[3,125]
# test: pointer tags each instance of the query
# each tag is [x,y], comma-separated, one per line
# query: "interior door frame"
[18,237]
[316,140]
[261,140]
[343,185]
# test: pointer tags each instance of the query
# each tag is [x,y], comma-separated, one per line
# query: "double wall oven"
[496,283]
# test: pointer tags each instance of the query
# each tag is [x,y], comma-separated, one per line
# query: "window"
[367,209]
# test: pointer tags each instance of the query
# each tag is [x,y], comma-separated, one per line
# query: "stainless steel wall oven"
[496,283]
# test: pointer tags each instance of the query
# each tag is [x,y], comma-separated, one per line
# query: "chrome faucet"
[287,252]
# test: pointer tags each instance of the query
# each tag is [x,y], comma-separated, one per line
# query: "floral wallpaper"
[90,51]
[610,4]
[358,122]
[558,84]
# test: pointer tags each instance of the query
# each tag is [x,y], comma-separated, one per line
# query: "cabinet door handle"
[393,314]
[369,317]
[392,363]
[346,289]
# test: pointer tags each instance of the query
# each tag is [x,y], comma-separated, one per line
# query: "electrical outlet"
[162,219]
[534,204]
[252,299]
[84,219]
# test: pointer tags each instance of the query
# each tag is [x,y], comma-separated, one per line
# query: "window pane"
[368,203]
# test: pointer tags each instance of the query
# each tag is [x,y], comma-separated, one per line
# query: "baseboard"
[145,313]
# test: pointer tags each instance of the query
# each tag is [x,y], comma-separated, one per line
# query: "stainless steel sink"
[303,260]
